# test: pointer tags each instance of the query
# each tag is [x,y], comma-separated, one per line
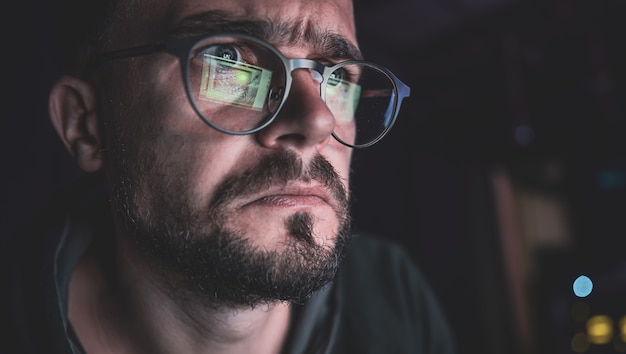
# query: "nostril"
[294,138]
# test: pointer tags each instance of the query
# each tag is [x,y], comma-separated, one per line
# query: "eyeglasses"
[237,84]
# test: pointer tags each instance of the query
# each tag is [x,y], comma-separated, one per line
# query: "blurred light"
[622,328]
[580,311]
[242,77]
[580,344]
[524,135]
[610,179]
[600,329]
[582,286]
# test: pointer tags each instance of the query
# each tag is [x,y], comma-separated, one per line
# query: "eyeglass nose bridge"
[319,71]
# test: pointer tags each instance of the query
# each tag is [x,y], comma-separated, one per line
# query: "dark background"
[512,101]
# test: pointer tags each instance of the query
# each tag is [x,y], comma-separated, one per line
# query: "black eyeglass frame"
[181,48]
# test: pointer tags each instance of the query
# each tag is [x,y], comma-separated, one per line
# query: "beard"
[200,256]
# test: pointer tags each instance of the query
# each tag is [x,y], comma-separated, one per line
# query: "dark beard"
[199,256]
[226,271]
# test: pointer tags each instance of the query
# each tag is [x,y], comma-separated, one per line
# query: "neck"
[133,310]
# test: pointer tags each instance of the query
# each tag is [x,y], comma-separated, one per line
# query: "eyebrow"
[285,33]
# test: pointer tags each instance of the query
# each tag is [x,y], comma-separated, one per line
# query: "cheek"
[170,144]
[340,157]
[193,163]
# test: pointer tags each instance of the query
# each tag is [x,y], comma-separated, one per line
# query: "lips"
[282,180]
[291,196]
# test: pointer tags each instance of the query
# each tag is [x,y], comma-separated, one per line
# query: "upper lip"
[296,189]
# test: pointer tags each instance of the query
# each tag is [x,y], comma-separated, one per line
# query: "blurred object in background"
[510,160]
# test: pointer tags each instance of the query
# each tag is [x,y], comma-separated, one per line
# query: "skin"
[129,309]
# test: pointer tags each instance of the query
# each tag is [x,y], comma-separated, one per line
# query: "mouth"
[291,196]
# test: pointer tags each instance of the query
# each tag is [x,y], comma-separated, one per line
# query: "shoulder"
[387,302]
[383,270]
[34,267]
[370,248]
[373,260]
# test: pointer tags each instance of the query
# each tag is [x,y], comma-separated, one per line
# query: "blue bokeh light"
[582,286]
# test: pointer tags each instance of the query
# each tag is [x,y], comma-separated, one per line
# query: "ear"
[72,109]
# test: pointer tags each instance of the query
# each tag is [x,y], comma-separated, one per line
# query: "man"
[217,137]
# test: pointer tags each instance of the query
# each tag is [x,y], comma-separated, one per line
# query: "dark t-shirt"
[378,303]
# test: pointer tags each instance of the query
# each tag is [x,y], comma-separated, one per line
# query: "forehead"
[148,20]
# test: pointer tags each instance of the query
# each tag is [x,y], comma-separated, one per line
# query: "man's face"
[243,219]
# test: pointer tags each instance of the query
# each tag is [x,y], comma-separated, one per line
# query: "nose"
[304,122]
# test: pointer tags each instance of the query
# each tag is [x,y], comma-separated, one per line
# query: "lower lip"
[290,201]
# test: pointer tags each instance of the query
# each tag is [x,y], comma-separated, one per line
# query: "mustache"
[278,169]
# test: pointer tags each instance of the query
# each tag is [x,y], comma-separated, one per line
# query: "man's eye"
[224,51]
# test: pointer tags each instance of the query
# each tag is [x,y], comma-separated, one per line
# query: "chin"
[276,231]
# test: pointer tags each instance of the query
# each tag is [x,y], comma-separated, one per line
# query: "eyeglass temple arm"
[394,107]
[133,52]
[121,54]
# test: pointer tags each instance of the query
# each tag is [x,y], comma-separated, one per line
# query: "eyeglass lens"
[237,85]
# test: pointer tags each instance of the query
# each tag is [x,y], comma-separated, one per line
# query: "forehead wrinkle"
[295,33]
[279,33]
